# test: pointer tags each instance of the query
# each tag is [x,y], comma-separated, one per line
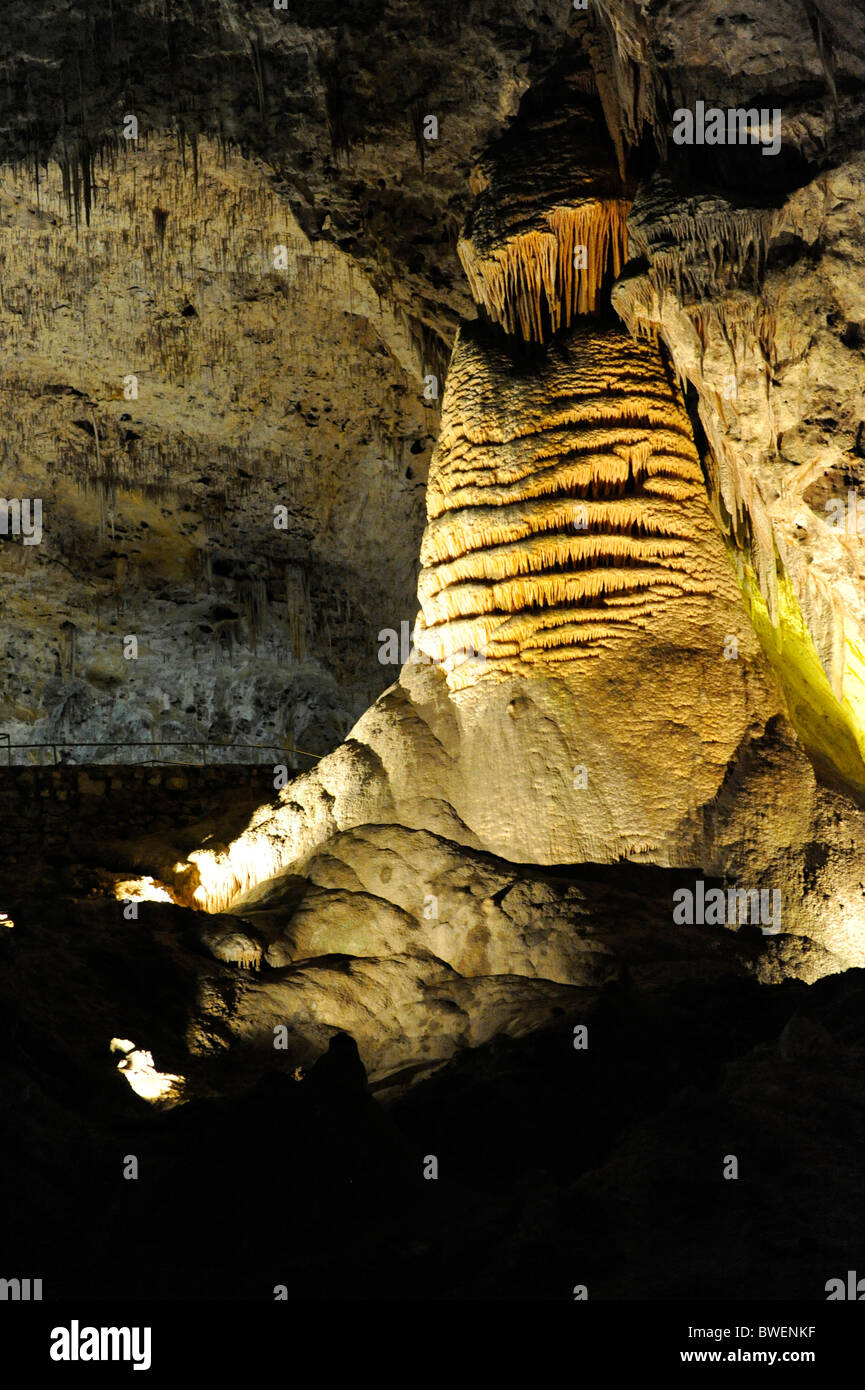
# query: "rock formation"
[327,327]
[548,222]
[213,516]
[587,682]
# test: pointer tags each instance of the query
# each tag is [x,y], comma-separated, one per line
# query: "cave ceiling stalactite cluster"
[548,224]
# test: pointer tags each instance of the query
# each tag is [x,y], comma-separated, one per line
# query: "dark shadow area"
[556,1166]
[602,1164]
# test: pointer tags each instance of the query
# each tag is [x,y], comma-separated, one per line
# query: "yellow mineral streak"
[535,555]
[538,478]
[600,401]
[478,528]
[512,596]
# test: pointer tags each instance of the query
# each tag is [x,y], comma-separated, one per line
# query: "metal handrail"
[145,743]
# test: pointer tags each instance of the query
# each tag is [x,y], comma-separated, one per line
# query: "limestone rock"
[208,568]
[223,937]
[764,326]
[548,223]
[604,650]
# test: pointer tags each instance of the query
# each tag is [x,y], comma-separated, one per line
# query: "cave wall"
[310,123]
[749,269]
[235,209]
[227,433]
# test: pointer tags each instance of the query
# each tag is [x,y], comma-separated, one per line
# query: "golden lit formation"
[548,231]
[557,269]
[159,1087]
[564,503]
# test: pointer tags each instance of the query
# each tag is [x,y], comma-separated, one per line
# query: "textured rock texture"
[332,96]
[556,1164]
[304,386]
[618,700]
[750,269]
[547,227]
[745,265]
[361,882]
[665,630]
[226,428]
[567,511]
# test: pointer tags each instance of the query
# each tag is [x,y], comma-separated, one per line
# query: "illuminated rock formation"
[750,270]
[548,224]
[757,315]
[609,664]
[570,542]
[588,683]
[420,948]
[567,510]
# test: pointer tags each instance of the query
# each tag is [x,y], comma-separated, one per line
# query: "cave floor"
[556,1166]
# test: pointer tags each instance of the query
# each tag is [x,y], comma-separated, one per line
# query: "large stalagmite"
[615,679]
[567,511]
[617,705]
[586,684]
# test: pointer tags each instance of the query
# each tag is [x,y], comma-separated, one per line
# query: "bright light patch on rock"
[137,1066]
[144,890]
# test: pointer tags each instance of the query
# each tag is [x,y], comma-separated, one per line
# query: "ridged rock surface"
[567,509]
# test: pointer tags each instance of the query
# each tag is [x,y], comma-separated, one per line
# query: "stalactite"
[251,599]
[297,606]
[533,278]
[67,649]
[549,221]
[702,247]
